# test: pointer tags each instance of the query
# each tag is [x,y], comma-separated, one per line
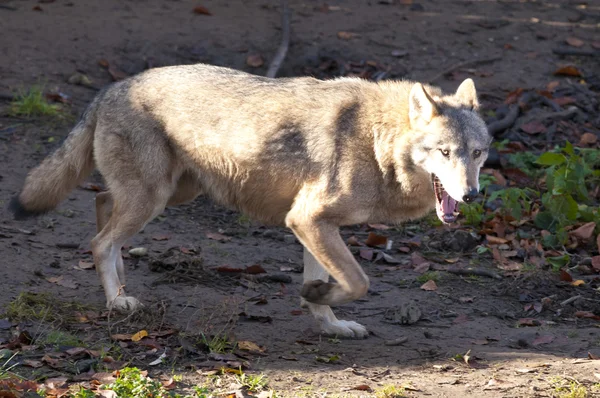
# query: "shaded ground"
[479,315]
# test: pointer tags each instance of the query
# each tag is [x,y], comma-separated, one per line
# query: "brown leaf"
[250,346]
[422,268]
[585,231]
[382,227]
[429,286]
[588,139]
[37,8]
[513,96]
[494,240]
[543,340]
[116,74]
[103,63]
[346,35]
[466,299]
[587,314]
[565,276]
[93,187]
[296,312]
[461,318]
[500,180]
[255,269]
[367,254]
[417,259]
[63,281]
[32,363]
[374,240]
[534,127]
[362,387]
[552,85]
[575,42]
[569,70]
[562,101]
[161,237]
[85,264]
[217,236]
[510,266]
[578,282]
[200,10]
[596,263]
[517,175]
[529,322]
[404,249]
[121,337]
[254,60]
[353,241]
[480,342]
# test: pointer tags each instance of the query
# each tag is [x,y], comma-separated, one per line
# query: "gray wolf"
[308,154]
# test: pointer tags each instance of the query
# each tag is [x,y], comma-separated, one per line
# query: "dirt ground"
[471,340]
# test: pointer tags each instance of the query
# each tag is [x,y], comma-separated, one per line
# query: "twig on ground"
[506,122]
[395,342]
[462,65]
[467,271]
[285,40]
[570,300]
[575,51]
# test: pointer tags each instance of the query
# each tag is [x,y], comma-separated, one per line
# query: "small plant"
[389,391]
[570,389]
[58,338]
[33,104]
[253,383]
[83,393]
[218,343]
[516,202]
[429,276]
[132,383]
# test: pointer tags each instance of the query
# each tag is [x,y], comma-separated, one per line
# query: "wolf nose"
[469,197]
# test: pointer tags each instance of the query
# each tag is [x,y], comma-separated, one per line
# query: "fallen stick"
[575,51]
[462,65]
[569,300]
[506,122]
[468,271]
[285,40]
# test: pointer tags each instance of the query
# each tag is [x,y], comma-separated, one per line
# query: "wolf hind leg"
[327,320]
[128,209]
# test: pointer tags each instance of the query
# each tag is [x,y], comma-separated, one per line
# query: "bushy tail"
[49,184]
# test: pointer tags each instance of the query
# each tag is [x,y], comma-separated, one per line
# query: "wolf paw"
[124,304]
[340,328]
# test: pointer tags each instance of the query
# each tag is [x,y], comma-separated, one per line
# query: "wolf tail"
[49,184]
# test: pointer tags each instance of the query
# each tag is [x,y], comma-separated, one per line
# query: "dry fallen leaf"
[575,42]
[578,282]
[543,340]
[62,281]
[254,60]
[161,237]
[429,286]
[494,240]
[346,35]
[584,232]
[217,236]
[588,139]
[376,240]
[596,263]
[569,70]
[200,10]
[362,387]
[367,254]
[139,335]
[534,127]
[85,264]
[250,346]
[587,314]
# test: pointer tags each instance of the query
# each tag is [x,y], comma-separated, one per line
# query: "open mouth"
[446,207]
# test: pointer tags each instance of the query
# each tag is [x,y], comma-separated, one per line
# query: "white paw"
[124,303]
[342,328]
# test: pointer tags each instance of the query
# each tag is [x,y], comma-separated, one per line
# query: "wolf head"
[451,143]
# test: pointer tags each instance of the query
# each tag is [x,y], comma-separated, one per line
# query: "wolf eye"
[445,152]
[476,153]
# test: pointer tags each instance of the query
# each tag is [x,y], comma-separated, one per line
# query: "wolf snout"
[471,195]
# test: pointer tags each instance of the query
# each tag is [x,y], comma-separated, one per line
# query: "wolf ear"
[421,105]
[467,94]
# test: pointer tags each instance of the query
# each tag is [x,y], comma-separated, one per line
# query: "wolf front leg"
[327,320]
[322,239]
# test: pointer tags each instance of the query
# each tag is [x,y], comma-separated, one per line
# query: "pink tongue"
[445,209]
[448,204]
